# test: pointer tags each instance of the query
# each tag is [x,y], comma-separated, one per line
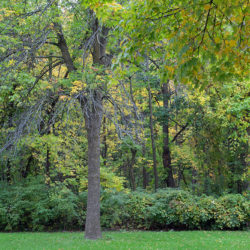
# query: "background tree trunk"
[144,170]
[153,139]
[131,169]
[105,145]
[166,156]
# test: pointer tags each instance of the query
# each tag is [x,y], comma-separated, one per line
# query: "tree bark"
[105,145]
[93,119]
[153,139]
[64,48]
[166,156]
[131,170]
[145,177]
[26,171]
[47,165]
[144,171]
[194,180]
[8,172]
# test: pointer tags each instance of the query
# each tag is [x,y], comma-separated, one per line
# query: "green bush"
[19,203]
[34,206]
[112,208]
[173,209]
[233,211]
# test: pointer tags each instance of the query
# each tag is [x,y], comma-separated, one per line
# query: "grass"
[128,240]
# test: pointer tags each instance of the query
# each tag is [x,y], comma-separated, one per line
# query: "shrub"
[34,206]
[232,212]
[112,208]
[173,209]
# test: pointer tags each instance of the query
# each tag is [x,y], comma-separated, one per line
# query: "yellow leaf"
[207,6]
[77,83]
[11,62]
[63,97]
[170,68]
[217,39]
[232,43]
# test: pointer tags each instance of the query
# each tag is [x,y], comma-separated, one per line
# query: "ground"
[128,240]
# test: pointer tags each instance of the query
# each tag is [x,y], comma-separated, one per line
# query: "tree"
[166,156]
[51,17]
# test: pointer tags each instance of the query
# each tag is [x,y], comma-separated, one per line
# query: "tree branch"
[182,129]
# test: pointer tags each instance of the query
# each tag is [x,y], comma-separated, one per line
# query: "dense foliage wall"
[208,141]
[34,206]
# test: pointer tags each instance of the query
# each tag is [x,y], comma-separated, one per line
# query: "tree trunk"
[180,172]
[207,185]
[166,156]
[144,171]
[105,145]
[194,180]
[64,48]
[145,177]
[47,166]
[93,119]
[93,112]
[8,172]
[26,171]
[153,140]
[92,109]
[131,170]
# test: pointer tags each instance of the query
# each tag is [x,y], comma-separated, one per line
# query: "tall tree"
[152,138]
[93,119]
[166,155]
[53,17]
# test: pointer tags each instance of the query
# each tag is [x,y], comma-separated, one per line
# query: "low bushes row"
[174,209]
[33,206]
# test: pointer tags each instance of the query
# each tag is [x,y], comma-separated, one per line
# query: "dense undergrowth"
[34,206]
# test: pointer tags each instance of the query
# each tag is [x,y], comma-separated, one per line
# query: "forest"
[124,114]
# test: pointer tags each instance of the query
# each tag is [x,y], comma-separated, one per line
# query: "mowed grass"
[128,240]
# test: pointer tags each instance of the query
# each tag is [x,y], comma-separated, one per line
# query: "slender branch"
[182,129]
[44,71]
[206,23]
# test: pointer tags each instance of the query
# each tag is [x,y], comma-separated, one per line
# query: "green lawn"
[128,240]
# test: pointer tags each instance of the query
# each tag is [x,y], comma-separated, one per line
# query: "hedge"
[33,206]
